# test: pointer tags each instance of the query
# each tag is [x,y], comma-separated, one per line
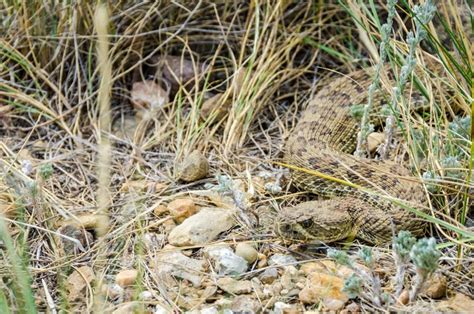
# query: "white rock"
[202,227]
[281,260]
[179,265]
[225,261]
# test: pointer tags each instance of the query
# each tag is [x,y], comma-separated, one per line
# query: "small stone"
[179,265]
[112,291]
[435,287]
[160,210]
[247,252]
[326,289]
[216,106]
[88,221]
[145,295]
[177,70]
[353,308]
[281,260]
[404,297]
[194,167]
[84,239]
[245,304]
[233,286]
[181,209]
[124,128]
[328,267]
[262,261]
[160,309]
[460,303]
[126,277]
[226,262]
[202,227]
[209,310]
[374,140]
[78,281]
[280,307]
[148,95]
[269,275]
[129,307]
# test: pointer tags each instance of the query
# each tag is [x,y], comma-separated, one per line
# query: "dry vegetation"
[266,58]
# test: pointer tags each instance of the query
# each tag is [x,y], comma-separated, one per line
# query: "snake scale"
[323,141]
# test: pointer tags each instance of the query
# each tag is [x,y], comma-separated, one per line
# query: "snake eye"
[306,223]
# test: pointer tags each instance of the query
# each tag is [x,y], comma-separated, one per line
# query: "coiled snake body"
[323,140]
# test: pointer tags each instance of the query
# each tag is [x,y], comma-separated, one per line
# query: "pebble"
[78,281]
[234,286]
[182,208]
[194,167]
[217,106]
[113,291]
[247,252]
[197,229]
[245,304]
[281,260]
[404,297]
[324,288]
[177,264]
[269,275]
[225,261]
[145,295]
[374,140]
[126,277]
[435,287]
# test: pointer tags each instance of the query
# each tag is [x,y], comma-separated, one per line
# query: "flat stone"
[225,261]
[179,265]
[126,277]
[234,286]
[202,227]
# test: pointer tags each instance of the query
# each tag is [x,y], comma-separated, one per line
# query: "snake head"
[313,222]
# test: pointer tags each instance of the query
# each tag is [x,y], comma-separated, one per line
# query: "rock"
[281,260]
[404,297]
[194,167]
[225,261]
[128,307]
[153,241]
[180,266]
[326,289]
[209,310]
[247,252]
[145,295]
[148,95]
[281,308]
[181,209]
[125,128]
[233,286]
[374,140]
[126,277]
[435,287]
[197,229]
[112,291]
[216,106]
[160,309]
[83,239]
[269,275]
[352,308]
[328,267]
[160,210]
[262,261]
[245,304]
[88,221]
[137,186]
[177,70]
[78,282]
[460,303]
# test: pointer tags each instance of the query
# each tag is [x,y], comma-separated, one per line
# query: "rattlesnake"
[323,140]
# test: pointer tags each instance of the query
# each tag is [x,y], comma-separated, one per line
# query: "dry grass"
[50,114]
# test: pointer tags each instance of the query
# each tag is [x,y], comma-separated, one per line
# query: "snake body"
[362,205]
